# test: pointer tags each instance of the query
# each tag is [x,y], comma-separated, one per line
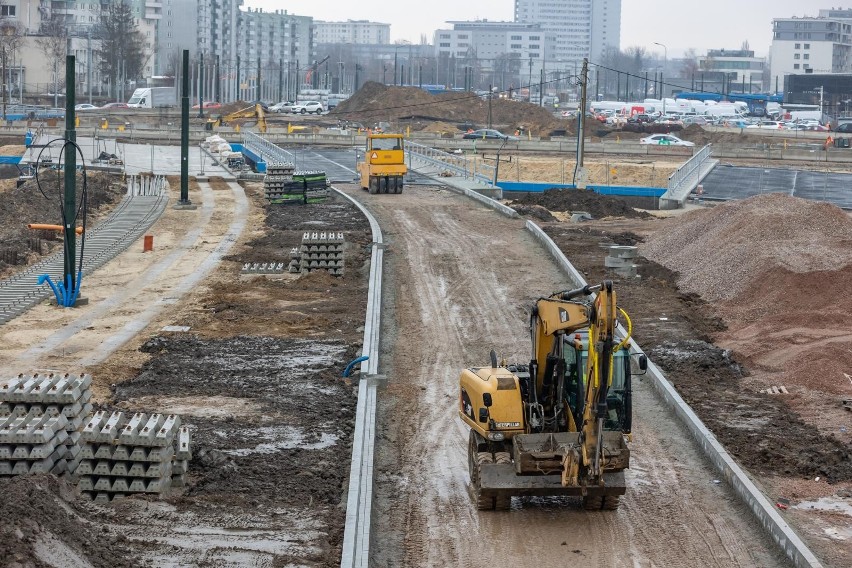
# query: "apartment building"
[581,28]
[351,31]
[810,45]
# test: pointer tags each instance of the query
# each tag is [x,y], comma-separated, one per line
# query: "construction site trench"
[258,377]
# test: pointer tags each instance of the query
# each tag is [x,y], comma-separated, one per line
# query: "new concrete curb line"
[359,503]
[487,201]
[760,506]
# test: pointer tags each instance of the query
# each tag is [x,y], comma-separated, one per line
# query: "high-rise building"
[581,28]
[177,30]
[809,45]
[351,31]
[512,53]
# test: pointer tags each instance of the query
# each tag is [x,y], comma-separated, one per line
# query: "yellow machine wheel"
[601,502]
[374,185]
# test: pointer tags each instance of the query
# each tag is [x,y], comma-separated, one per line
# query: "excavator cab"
[619,396]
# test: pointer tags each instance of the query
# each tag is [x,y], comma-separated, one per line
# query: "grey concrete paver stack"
[40,419]
[47,426]
[319,251]
[129,453]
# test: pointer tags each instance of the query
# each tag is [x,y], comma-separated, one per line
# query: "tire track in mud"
[462,280]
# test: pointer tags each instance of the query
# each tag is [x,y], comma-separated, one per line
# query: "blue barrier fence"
[623,190]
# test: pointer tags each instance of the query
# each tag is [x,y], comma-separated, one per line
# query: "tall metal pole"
[259,92]
[581,138]
[238,94]
[280,79]
[217,82]
[394,65]
[490,93]
[201,86]
[88,65]
[69,210]
[184,133]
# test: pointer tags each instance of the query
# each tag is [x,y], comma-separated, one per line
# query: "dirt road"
[460,280]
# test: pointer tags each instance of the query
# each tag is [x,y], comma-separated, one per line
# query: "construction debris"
[319,251]
[847,404]
[264,268]
[620,259]
[776,390]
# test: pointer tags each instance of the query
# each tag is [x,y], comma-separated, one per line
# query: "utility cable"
[64,296]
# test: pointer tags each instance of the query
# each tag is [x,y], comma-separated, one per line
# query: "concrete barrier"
[754,499]
[359,502]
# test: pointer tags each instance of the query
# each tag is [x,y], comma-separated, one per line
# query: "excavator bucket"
[540,467]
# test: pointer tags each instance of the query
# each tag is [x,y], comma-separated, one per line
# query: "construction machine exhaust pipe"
[493,359]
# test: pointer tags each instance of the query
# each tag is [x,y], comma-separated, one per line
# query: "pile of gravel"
[721,252]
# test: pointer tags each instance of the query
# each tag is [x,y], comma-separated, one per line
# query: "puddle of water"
[830,504]
[284,438]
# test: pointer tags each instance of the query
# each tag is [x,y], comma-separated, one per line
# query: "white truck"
[152,97]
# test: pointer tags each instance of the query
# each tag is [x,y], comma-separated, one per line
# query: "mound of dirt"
[42,527]
[27,204]
[375,101]
[721,252]
[571,200]
[439,127]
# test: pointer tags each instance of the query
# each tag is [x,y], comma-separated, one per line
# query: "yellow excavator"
[560,425]
[383,166]
[255,111]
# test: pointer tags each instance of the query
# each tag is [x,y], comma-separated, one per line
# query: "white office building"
[581,28]
[740,66]
[351,31]
[809,45]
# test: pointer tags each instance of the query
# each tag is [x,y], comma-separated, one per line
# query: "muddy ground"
[258,379]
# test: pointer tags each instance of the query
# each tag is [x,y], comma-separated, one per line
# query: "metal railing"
[458,164]
[689,170]
[267,151]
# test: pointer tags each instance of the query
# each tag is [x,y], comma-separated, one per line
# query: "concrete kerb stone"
[356,536]
[753,498]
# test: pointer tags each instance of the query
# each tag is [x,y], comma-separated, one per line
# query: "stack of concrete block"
[319,251]
[621,260]
[124,454]
[264,268]
[40,418]
[180,463]
[278,182]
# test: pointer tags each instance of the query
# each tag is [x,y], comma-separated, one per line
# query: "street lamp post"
[665,64]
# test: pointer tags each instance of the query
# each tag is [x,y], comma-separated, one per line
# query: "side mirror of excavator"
[486,399]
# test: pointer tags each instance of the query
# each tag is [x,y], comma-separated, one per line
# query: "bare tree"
[53,43]
[690,63]
[11,36]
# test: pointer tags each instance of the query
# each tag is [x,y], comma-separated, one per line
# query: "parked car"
[114,106]
[846,128]
[85,106]
[699,120]
[487,134]
[767,125]
[308,107]
[639,119]
[283,106]
[665,140]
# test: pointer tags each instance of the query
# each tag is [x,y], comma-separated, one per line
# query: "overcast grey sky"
[679,24]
